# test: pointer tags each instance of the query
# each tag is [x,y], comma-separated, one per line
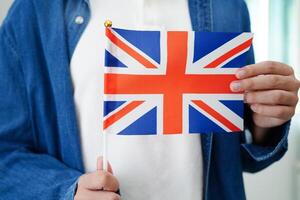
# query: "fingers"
[99,180]
[263,68]
[91,195]
[98,185]
[271,97]
[271,91]
[266,122]
[280,112]
[266,82]
[100,165]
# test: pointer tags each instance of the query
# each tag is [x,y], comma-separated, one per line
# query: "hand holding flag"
[98,185]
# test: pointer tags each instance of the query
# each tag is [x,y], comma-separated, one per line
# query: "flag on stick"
[172,82]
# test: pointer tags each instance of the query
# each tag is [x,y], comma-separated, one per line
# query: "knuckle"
[293,113]
[289,113]
[249,83]
[291,70]
[99,181]
[248,70]
[271,65]
[278,97]
[117,184]
[297,83]
[281,113]
[274,80]
[296,99]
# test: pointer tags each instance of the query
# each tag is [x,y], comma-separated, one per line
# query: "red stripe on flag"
[164,84]
[130,51]
[216,115]
[121,113]
[229,54]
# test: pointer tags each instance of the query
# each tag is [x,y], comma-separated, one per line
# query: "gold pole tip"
[108,23]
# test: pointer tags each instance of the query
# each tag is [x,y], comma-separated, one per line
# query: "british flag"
[172,82]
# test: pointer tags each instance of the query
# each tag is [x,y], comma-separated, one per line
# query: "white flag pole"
[107,24]
[104,151]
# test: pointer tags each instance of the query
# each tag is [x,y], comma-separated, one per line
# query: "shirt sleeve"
[256,157]
[25,173]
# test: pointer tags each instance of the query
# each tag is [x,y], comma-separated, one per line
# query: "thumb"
[100,165]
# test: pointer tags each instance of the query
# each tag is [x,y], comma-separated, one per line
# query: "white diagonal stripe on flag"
[209,58]
[135,48]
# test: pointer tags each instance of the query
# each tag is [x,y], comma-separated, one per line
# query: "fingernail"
[240,74]
[235,86]
[254,107]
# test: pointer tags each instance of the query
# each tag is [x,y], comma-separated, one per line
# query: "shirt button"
[79,20]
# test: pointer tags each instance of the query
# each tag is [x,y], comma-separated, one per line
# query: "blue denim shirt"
[40,156]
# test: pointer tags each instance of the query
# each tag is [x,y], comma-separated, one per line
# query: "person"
[51,54]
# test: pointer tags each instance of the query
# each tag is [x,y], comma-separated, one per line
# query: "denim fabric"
[40,156]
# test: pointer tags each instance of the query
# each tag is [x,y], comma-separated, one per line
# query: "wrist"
[260,135]
[267,136]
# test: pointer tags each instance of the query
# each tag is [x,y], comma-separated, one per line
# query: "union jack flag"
[172,82]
